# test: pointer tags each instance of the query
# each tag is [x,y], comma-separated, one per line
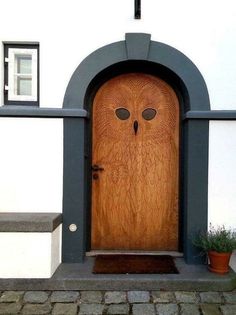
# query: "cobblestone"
[117,303]
[230,297]
[143,309]
[66,308]
[36,309]
[210,309]
[163,297]
[118,309]
[91,297]
[138,296]
[210,297]
[64,296]
[115,297]
[186,297]
[11,296]
[91,309]
[228,309]
[10,308]
[35,297]
[167,309]
[187,309]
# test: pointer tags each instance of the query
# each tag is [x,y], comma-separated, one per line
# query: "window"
[21,74]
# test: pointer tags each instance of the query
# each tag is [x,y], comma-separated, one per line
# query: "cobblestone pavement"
[117,303]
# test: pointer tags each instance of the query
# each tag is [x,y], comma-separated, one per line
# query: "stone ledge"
[80,277]
[29,222]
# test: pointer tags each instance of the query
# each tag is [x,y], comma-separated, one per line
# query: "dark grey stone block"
[29,222]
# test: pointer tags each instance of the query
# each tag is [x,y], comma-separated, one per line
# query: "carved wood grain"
[135,200]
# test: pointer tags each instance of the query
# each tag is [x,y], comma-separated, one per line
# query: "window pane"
[24,86]
[24,64]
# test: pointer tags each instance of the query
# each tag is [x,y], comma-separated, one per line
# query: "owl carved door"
[135,164]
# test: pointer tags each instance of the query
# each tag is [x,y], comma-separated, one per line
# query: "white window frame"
[12,74]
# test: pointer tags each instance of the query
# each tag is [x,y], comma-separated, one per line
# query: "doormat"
[134,264]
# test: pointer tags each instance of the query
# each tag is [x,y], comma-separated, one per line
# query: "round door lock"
[95,176]
[72,227]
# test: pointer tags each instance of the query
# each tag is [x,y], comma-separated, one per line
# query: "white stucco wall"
[31,162]
[31,149]
[70,30]
[222,173]
[30,255]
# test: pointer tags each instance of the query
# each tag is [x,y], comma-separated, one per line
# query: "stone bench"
[30,244]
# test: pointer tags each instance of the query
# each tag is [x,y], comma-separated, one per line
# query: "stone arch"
[136,53]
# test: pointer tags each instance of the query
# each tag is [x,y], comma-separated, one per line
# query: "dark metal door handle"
[97,168]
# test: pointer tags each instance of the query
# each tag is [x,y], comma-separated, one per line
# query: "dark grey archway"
[136,53]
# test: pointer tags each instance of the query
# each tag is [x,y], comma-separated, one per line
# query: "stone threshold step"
[132,252]
[80,277]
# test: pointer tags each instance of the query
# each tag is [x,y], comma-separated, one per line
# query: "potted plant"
[219,244]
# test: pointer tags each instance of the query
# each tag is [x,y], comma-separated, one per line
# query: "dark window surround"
[22,45]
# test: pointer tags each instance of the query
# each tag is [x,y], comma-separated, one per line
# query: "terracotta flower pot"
[219,262]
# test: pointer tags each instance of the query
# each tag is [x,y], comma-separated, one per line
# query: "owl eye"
[122,113]
[149,113]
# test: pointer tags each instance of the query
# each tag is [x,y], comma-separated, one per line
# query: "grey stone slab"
[11,296]
[187,309]
[167,309]
[29,222]
[143,309]
[115,297]
[230,297]
[10,308]
[36,309]
[210,297]
[36,297]
[64,296]
[228,309]
[91,296]
[91,309]
[118,309]
[138,296]
[163,297]
[80,277]
[186,297]
[64,308]
[210,309]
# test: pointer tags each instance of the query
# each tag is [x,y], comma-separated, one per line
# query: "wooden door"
[135,157]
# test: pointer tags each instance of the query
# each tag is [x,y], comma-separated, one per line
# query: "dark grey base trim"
[35,112]
[29,222]
[79,277]
[212,115]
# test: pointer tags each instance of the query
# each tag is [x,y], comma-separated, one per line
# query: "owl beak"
[135,127]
